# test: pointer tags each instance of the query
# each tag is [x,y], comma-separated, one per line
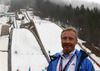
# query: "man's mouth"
[67,45]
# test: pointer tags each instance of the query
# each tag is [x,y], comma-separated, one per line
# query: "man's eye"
[71,39]
[64,38]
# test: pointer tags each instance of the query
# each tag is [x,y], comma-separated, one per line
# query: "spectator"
[70,59]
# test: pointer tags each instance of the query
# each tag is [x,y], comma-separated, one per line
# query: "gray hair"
[70,29]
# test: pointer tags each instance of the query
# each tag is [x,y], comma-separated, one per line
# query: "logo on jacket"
[73,64]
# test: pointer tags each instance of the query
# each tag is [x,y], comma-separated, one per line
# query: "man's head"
[69,39]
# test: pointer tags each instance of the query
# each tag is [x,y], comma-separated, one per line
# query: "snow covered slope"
[3,42]
[26,53]
[4,53]
[50,35]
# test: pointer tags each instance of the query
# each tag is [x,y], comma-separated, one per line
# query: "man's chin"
[67,48]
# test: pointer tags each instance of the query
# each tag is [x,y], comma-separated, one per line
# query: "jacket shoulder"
[54,57]
[87,64]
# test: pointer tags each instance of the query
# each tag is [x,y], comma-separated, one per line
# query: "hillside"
[94,49]
[30,41]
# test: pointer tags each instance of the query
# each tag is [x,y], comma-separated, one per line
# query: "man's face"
[68,40]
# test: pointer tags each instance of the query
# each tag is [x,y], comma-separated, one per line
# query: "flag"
[29,69]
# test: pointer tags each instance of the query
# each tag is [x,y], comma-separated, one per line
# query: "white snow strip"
[26,53]
[3,61]
[4,43]
[50,35]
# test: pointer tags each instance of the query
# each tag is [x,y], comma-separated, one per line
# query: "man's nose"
[67,40]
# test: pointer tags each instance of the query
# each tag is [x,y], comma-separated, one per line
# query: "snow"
[3,47]
[4,39]
[25,51]
[97,58]
[3,61]
[92,55]
[25,46]
[50,35]
[50,30]
[3,20]
[3,8]
[3,55]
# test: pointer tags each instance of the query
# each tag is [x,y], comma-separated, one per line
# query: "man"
[70,59]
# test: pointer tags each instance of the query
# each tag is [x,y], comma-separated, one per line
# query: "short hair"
[70,29]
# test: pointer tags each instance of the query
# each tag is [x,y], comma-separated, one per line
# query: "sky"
[87,3]
[96,1]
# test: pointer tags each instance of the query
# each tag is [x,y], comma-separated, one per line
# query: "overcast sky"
[96,1]
[87,3]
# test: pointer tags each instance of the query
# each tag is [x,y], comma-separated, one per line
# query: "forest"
[87,21]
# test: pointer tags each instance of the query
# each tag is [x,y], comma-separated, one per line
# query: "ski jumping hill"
[26,53]
[30,41]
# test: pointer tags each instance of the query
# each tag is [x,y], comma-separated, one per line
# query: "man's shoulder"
[55,56]
[80,52]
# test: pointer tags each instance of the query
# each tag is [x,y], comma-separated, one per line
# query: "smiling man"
[70,59]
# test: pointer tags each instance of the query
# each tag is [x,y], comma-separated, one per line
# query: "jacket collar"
[59,54]
[68,55]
